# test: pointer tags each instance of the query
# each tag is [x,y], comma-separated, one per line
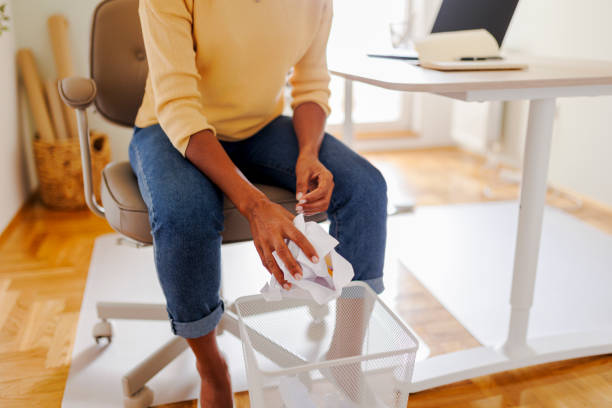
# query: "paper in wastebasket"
[322,281]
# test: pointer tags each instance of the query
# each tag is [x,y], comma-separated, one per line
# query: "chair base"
[143,398]
[103,330]
[135,392]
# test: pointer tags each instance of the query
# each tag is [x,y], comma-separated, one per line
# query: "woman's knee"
[374,188]
[376,185]
[365,187]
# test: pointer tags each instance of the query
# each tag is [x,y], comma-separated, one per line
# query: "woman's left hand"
[314,185]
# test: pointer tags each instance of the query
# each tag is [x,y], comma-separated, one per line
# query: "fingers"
[301,186]
[301,241]
[289,261]
[325,183]
[316,207]
[318,200]
[270,227]
[270,264]
[315,195]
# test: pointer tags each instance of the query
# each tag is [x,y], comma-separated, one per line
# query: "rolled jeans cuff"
[376,284]
[198,328]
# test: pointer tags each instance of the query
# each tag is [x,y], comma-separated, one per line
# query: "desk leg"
[348,131]
[518,351]
[531,210]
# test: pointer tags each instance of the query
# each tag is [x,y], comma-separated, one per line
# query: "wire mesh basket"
[351,352]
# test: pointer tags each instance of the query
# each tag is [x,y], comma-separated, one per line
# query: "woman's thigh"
[270,156]
[170,184]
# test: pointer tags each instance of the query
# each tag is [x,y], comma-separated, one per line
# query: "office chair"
[118,70]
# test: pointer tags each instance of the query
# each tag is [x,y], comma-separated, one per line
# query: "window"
[360,25]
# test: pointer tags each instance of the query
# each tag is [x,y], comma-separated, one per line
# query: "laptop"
[454,15]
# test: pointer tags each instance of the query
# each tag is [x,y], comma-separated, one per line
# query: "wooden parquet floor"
[44,257]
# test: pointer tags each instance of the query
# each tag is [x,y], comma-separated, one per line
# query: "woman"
[210,121]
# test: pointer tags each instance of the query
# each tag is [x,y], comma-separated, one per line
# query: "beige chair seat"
[127,212]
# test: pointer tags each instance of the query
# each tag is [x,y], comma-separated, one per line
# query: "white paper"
[317,282]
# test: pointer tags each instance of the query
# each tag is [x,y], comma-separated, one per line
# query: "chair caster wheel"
[102,330]
[316,330]
[318,312]
[317,327]
[143,398]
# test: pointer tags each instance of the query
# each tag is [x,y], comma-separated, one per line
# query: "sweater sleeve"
[310,79]
[167,33]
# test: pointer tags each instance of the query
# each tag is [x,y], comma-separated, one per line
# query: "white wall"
[582,142]
[31,31]
[14,186]
[429,108]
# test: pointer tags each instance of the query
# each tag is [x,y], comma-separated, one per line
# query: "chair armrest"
[77,92]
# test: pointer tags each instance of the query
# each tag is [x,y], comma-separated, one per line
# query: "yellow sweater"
[222,64]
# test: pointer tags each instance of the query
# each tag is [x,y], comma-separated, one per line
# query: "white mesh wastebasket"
[352,352]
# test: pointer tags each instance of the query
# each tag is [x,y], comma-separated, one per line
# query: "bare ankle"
[216,387]
[211,367]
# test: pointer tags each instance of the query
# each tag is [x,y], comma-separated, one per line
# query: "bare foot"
[216,387]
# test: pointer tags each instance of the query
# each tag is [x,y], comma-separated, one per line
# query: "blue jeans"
[186,215]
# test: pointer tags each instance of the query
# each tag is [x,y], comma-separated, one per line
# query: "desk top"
[404,76]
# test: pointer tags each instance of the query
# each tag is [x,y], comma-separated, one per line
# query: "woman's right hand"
[271,224]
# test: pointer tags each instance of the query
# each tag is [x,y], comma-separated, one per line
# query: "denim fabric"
[185,210]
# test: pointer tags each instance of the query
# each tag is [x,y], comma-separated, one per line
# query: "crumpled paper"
[322,281]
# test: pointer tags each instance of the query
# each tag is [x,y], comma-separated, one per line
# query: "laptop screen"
[492,15]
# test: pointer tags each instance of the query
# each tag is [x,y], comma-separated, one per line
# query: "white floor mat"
[126,274]
[461,253]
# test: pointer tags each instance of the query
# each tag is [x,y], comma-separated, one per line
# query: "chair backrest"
[118,61]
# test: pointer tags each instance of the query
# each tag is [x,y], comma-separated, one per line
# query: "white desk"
[544,81]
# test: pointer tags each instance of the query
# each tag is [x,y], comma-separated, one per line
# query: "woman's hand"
[314,185]
[271,224]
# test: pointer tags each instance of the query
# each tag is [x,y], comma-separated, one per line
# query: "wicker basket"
[58,165]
